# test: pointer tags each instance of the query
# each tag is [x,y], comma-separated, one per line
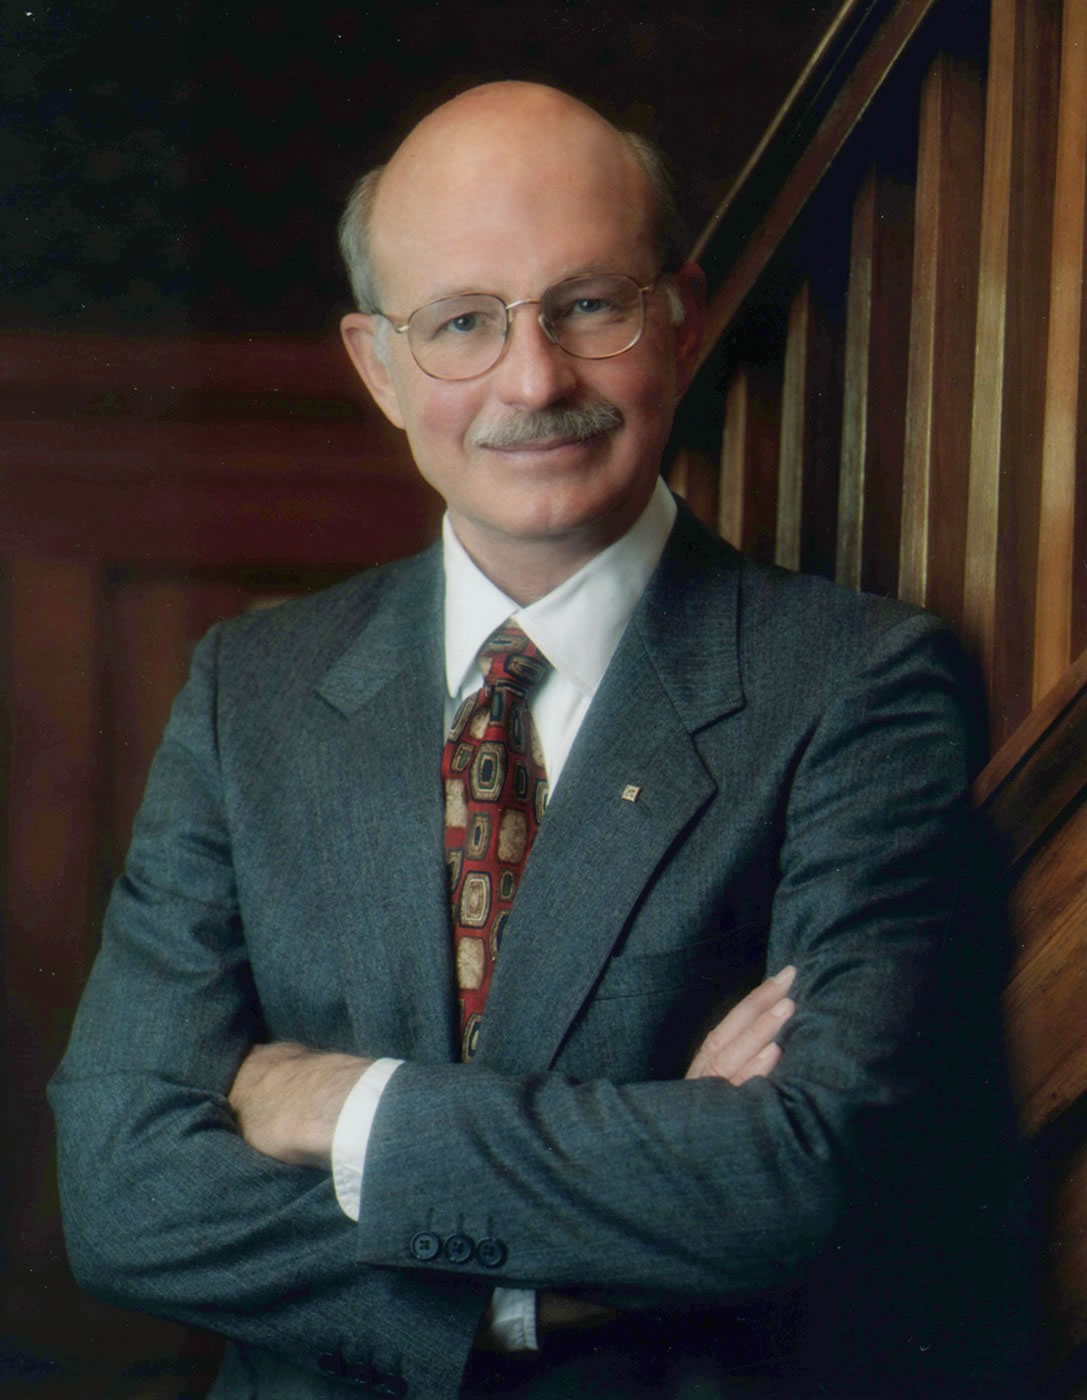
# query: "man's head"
[544,457]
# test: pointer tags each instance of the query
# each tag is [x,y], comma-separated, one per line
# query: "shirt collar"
[577,625]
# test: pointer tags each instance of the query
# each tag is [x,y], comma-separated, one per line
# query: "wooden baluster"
[1065,404]
[693,477]
[1009,372]
[811,424]
[941,370]
[747,511]
[874,397]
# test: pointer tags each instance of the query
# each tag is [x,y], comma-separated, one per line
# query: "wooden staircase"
[893,392]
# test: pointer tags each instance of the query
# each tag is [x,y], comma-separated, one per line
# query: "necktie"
[495,793]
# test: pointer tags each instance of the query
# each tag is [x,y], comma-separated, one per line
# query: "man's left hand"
[742,1046]
[287,1100]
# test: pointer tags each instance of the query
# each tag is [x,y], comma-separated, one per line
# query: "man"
[563,1184]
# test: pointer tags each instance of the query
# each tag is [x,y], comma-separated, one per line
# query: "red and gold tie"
[495,794]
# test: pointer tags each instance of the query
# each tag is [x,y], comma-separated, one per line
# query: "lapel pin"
[630,792]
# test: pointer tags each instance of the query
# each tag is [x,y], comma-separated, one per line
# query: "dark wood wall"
[894,393]
[148,487]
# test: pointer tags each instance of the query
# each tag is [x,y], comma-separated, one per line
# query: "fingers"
[758,1067]
[737,1059]
[739,1047]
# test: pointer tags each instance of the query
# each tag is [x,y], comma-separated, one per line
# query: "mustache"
[576,422]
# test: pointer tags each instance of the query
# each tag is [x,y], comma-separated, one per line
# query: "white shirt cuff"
[352,1134]
[510,1320]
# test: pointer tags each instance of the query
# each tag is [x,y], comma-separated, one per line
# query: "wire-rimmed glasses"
[592,317]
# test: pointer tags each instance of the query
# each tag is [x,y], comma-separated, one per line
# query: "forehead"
[481,204]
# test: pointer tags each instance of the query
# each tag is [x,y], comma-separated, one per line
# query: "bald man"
[396,1123]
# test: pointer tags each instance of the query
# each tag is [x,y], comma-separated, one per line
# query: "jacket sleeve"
[166,1208]
[700,1190]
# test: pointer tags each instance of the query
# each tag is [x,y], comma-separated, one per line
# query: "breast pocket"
[645,974]
[650,1011]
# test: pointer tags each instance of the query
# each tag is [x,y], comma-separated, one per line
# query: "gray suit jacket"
[802,759]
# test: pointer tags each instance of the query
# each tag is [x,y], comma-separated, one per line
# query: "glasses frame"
[644,292]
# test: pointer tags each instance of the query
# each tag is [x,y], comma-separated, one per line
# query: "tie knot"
[508,658]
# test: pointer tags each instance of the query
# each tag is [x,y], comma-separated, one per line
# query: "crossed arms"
[723,1190]
[287,1098]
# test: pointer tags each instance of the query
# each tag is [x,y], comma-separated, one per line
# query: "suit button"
[459,1248]
[491,1252]
[425,1246]
[332,1364]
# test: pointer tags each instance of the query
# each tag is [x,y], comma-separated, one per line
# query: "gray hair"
[669,232]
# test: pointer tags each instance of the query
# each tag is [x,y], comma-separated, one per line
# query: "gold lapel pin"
[630,792]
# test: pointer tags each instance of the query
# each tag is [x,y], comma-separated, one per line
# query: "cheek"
[438,419]
[645,387]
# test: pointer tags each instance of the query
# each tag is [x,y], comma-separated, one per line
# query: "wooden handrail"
[844,75]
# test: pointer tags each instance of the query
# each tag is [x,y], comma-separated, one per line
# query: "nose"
[533,372]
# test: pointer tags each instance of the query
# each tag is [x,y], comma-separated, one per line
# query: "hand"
[742,1046]
[287,1100]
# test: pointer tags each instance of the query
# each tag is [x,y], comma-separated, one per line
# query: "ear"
[690,283]
[359,333]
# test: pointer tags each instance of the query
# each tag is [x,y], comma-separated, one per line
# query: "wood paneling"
[1065,1265]
[874,402]
[1064,373]
[1041,769]
[811,416]
[747,499]
[1048,990]
[1009,381]
[941,347]
[147,488]
[696,480]
[53,792]
[963,465]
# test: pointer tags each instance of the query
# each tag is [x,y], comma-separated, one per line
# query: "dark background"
[181,168]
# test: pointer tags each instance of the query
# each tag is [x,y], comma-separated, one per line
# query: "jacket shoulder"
[303,636]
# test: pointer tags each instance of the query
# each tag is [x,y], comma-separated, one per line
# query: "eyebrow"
[592,269]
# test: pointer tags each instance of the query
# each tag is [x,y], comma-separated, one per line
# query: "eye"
[464,324]
[583,308]
[461,318]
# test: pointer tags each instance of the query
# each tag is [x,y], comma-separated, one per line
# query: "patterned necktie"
[495,793]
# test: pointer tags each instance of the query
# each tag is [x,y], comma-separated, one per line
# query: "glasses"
[593,317]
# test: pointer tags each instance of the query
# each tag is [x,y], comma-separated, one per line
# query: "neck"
[525,574]
[526,570]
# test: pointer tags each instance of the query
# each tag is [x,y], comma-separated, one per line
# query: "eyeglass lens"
[591,317]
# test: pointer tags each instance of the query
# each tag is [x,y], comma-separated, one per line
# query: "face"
[492,205]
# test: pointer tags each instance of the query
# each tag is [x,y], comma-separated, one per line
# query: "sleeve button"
[332,1364]
[459,1248]
[491,1252]
[425,1246]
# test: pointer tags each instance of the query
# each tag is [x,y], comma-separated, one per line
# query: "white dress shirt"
[577,626]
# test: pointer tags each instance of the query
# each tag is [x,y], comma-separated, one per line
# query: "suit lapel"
[378,763]
[675,671]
